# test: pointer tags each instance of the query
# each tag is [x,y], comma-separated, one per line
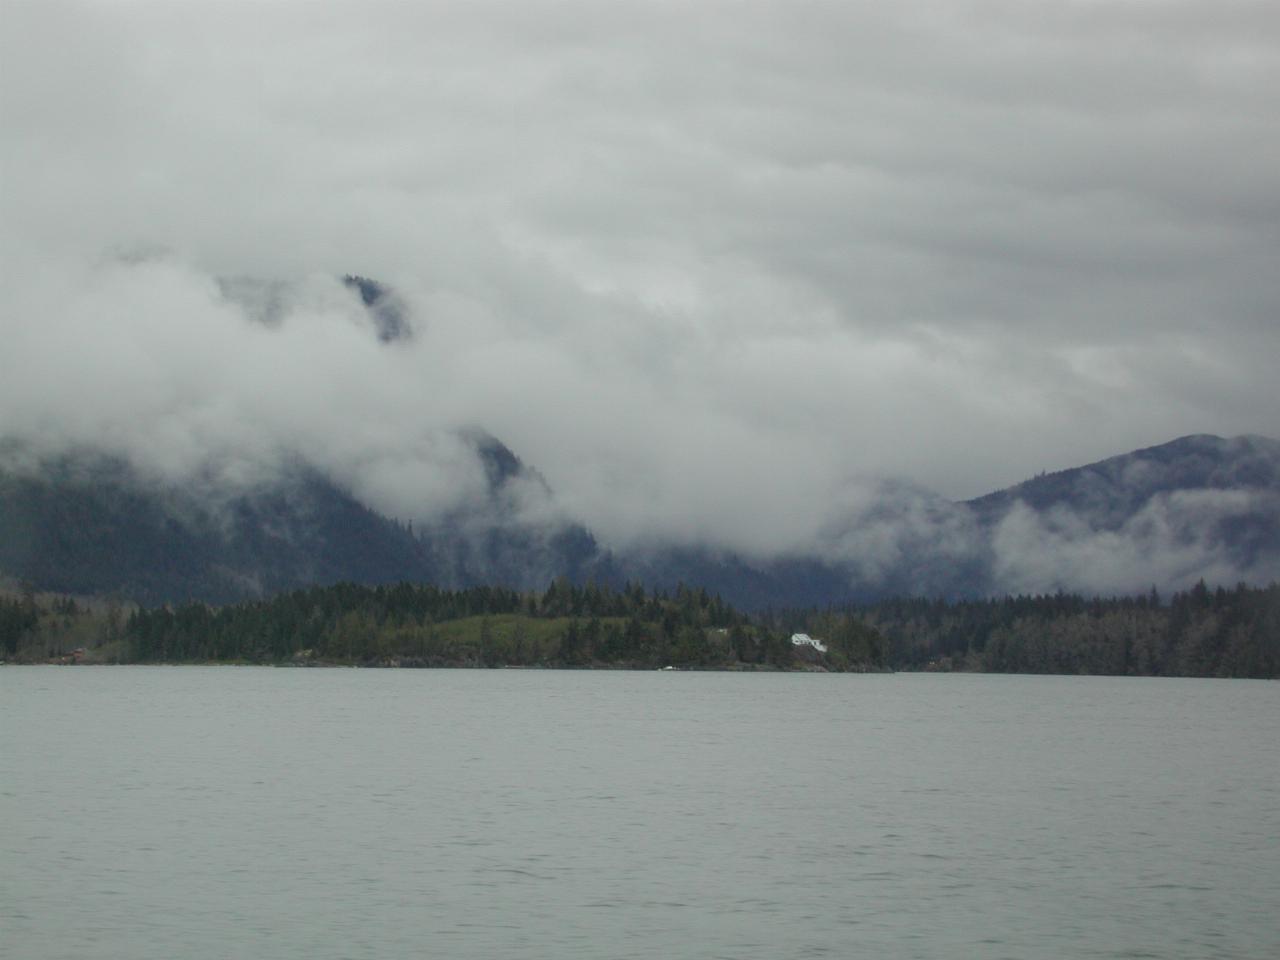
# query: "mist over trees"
[87,522]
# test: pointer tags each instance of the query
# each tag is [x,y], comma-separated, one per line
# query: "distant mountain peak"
[1194,462]
[388,312]
[1207,443]
[501,464]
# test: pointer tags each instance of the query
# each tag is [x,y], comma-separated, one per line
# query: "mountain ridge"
[1199,505]
[1197,470]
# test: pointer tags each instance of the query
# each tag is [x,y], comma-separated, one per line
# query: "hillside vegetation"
[1222,633]
[89,522]
[1198,633]
[417,626]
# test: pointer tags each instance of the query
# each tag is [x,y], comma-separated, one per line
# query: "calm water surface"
[166,812]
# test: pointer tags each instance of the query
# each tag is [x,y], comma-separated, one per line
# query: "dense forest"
[1199,632]
[406,625]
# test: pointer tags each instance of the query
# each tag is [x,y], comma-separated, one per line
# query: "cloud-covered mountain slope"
[1111,491]
[86,522]
[1199,507]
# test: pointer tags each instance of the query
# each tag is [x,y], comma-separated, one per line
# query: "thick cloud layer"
[708,267]
[1172,542]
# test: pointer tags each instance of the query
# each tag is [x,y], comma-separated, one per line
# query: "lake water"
[213,812]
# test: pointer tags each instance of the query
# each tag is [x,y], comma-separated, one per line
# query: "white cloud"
[708,267]
[1174,540]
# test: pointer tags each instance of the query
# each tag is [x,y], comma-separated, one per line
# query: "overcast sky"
[707,266]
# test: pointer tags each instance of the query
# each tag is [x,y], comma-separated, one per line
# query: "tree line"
[1198,632]
[568,625]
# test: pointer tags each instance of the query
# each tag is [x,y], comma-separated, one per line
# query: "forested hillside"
[1220,633]
[87,522]
[90,524]
[1198,633]
[415,626]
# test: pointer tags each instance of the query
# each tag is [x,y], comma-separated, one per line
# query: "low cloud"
[716,272]
[1174,540]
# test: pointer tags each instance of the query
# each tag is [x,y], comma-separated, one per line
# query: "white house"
[804,640]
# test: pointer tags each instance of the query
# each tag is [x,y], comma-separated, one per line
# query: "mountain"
[1109,493]
[391,319]
[89,523]
[1200,507]
[85,522]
